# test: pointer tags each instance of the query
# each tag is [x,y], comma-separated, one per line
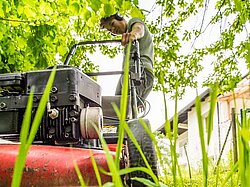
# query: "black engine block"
[72,91]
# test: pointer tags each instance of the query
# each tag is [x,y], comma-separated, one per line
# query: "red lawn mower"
[66,131]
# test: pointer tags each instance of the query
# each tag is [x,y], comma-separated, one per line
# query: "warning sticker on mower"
[109,129]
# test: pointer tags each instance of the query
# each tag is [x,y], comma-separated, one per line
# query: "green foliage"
[244,149]
[179,60]
[33,32]
[227,173]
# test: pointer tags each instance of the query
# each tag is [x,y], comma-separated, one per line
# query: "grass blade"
[41,107]
[21,157]
[213,98]
[123,106]
[78,172]
[26,140]
[133,169]
[27,118]
[202,141]
[244,152]
[97,173]
[111,162]
[233,170]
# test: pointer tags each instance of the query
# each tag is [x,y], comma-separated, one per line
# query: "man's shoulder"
[132,21]
[135,20]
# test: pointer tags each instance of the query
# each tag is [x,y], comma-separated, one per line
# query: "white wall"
[194,150]
[182,141]
[222,120]
[194,147]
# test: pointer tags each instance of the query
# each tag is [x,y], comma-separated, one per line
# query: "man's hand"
[136,33]
[127,37]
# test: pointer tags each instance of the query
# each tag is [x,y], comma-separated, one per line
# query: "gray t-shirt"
[146,47]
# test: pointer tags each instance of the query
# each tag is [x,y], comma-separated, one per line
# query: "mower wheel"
[146,144]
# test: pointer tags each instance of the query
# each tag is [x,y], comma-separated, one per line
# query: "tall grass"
[244,149]
[176,176]
[203,143]
[172,135]
[241,168]
[123,127]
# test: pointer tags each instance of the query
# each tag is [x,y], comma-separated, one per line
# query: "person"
[134,29]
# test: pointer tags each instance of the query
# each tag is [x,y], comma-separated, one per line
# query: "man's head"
[114,23]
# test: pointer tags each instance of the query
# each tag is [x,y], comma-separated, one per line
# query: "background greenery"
[32,33]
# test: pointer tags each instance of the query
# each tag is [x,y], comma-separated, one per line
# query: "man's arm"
[136,33]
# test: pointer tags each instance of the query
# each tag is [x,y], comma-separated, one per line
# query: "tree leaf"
[21,42]
[29,12]
[19,10]
[109,9]
[75,8]
[62,50]
[135,2]
[1,10]
[135,12]
[95,5]
[45,8]
[237,5]
[86,14]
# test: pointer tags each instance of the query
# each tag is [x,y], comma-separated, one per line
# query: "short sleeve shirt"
[146,46]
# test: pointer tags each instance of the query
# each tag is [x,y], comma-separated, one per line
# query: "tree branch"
[15,20]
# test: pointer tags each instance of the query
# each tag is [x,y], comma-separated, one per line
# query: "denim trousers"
[143,89]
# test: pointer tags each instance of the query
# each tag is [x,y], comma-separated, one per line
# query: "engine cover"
[72,91]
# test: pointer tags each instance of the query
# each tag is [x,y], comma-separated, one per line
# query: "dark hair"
[107,19]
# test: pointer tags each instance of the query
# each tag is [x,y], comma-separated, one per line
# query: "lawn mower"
[66,131]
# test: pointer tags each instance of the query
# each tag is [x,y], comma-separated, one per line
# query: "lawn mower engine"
[73,111]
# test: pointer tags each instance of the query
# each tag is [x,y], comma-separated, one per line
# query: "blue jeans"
[143,89]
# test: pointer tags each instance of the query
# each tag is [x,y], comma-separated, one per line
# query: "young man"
[132,30]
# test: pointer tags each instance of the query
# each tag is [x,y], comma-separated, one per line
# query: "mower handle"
[135,76]
[74,47]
